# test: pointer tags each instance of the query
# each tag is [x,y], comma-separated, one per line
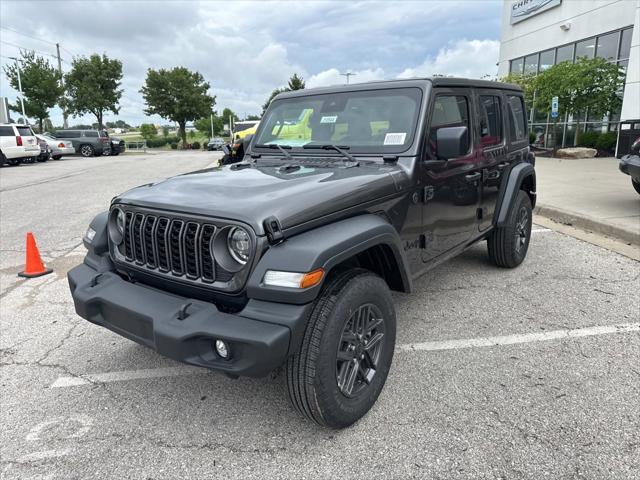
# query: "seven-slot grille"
[171,246]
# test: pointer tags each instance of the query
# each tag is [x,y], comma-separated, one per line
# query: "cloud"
[464,58]
[246,49]
[332,76]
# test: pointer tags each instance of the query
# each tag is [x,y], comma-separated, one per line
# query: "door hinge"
[274,230]
[428,193]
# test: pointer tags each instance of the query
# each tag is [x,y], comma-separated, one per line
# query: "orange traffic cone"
[34,266]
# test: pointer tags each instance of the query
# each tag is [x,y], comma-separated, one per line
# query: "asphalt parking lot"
[526,373]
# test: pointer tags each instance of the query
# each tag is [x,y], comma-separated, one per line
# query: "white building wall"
[631,99]
[542,31]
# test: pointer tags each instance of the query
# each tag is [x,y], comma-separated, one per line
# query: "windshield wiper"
[329,146]
[275,146]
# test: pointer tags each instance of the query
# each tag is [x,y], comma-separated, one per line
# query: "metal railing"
[137,145]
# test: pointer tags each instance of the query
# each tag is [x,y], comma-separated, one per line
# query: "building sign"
[554,107]
[523,9]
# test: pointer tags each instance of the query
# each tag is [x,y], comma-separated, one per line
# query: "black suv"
[288,258]
[87,143]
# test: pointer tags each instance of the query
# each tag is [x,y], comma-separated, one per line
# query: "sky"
[246,49]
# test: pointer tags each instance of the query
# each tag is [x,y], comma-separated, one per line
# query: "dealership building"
[537,34]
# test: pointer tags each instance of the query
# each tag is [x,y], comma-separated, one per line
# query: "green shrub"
[174,145]
[195,145]
[532,138]
[156,142]
[607,141]
[588,139]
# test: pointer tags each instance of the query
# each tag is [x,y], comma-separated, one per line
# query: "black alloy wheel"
[360,350]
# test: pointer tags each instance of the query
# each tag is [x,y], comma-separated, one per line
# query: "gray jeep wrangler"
[287,259]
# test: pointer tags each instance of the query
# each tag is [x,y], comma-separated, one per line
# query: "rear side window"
[25,131]
[91,133]
[448,111]
[68,133]
[6,132]
[490,120]
[517,120]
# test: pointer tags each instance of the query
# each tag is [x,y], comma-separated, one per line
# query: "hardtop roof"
[404,83]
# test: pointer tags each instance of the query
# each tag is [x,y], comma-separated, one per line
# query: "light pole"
[24,116]
[348,74]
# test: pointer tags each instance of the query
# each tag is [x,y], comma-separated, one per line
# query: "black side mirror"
[225,149]
[452,142]
[635,146]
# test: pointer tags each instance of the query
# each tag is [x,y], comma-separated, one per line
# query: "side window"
[6,132]
[490,120]
[448,111]
[91,133]
[517,122]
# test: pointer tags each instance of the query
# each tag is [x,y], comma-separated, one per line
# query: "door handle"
[472,177]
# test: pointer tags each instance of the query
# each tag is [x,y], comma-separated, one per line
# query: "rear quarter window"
[25,131]
[517,118]
[6,132]
[91,133]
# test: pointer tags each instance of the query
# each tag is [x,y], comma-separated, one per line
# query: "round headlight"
[120,221]
[239,244]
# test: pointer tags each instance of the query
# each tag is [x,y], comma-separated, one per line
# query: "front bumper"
[151,317]
[630,164]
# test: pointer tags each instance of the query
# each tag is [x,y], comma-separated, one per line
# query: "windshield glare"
[365,121]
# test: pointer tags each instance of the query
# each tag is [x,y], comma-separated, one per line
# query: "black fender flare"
[324,247]
[517,175]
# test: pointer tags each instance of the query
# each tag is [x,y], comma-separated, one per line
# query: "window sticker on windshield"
[329,119]
[394,138]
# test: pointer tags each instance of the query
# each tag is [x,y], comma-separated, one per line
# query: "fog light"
[223,349]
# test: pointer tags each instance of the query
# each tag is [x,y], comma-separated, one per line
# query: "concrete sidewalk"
[590,194]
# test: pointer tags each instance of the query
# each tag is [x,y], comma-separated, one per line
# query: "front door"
[452,190]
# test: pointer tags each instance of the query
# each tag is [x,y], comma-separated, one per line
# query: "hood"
[250,193]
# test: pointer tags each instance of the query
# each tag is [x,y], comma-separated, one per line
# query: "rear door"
[491,148]
[451,190]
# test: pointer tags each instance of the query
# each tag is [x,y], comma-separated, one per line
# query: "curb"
[587,223]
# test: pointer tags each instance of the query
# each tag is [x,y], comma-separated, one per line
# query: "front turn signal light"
[297,280]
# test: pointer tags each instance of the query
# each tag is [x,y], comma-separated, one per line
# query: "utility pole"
[24,116]
[348,74]
[64,112]
[211,125]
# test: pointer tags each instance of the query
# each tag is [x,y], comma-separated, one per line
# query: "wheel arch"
[366,241]
[521,177]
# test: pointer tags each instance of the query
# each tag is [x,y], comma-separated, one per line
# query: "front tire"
[346,352]
[87,151]
[508,245]
[636,185]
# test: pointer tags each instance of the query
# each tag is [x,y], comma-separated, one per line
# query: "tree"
[148,131]
[252,117]
[179,95]
[165,131]
[41,88]
[93,86]
[204,124]
[296,82]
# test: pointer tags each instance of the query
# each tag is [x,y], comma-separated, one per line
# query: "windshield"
[25,131]
[372,121]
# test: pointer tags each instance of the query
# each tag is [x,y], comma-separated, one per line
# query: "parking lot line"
[521,338]
[125,375]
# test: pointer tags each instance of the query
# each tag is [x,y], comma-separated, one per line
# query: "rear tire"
[508,245]
[56,157]
[346,352]
[87,151]
[636,185]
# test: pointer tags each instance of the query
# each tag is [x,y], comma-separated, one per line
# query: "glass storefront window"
[546,59]
[586,48]
[531,64]
[625,43]
[608,46]
[564,54]
[517,65]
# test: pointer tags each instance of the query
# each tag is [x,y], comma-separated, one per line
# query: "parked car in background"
[17,142]
[630,164]
[117,146]
[215,143]
[45,151]
[88,143]
[58,147]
